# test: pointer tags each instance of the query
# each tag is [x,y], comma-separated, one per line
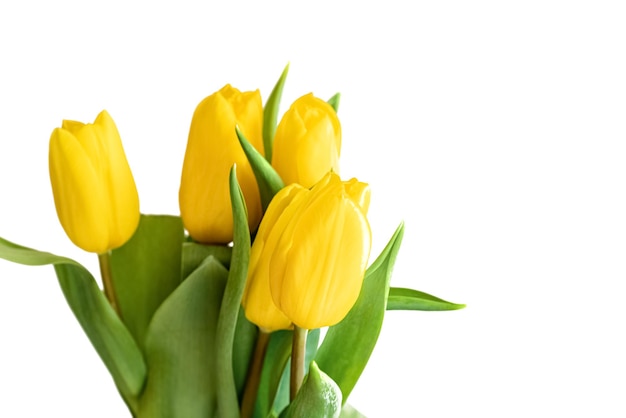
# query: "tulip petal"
[80,200]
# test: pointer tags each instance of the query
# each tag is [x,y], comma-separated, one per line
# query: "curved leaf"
[318,397]
[270,114]
[348,345]
[108,335]
[267,178]
[414,300]
[228,404]
[180,347]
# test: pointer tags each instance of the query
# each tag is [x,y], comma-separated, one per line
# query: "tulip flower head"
[212,149]
[307,143]
[316,250]
[94,191]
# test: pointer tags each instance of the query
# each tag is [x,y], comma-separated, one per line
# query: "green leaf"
[228,404]
[276,356]
[414,300]
[180,347]
[146,270]
[270,114]
[318,397]
[108,335]
[243,348]
[194,254]
[348,345]
[334,101]
[266,177]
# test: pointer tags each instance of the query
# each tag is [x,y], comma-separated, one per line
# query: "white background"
[495,130]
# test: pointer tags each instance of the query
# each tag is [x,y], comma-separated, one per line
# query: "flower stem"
[105,271]
[254,375]
[298,351]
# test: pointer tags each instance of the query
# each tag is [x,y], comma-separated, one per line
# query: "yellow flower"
[94,190]
[257,299]
[307,143]
[212,149]
[316,250]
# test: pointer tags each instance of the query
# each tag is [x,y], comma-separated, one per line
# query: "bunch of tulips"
[217,312]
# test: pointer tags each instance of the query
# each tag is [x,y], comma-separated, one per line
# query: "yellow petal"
[257,300]
[79,198]
[212,149]
[307,143]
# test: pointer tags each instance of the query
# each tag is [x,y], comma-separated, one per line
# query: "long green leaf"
[228,404]
[146,270]
[267,178]
[180,347]
[348,345]
[414,300]
[270,114]
[108,335]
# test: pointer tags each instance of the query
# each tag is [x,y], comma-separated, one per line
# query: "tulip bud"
[212,149]
[316,250]
[94,191]
[307,143]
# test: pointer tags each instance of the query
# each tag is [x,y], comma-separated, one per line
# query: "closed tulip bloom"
[307,143]
[212,149]
[257,299]
[318,249]
[94,191]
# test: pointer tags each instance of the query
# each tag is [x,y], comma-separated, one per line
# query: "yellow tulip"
[257,299]
[316,250]
[212,149]
[307,143]
[94,191]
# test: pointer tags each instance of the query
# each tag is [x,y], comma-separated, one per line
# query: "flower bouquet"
[260,299]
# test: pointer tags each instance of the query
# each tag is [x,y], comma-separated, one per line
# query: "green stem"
[254,375]
[107,282]
[298,351]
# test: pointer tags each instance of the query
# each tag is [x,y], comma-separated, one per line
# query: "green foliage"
[318,397]
[146,270]
[334,101]
[108,335]
[228,404]
[267,178]
[409,299]
[194,254]
[270,114]
[180,347]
